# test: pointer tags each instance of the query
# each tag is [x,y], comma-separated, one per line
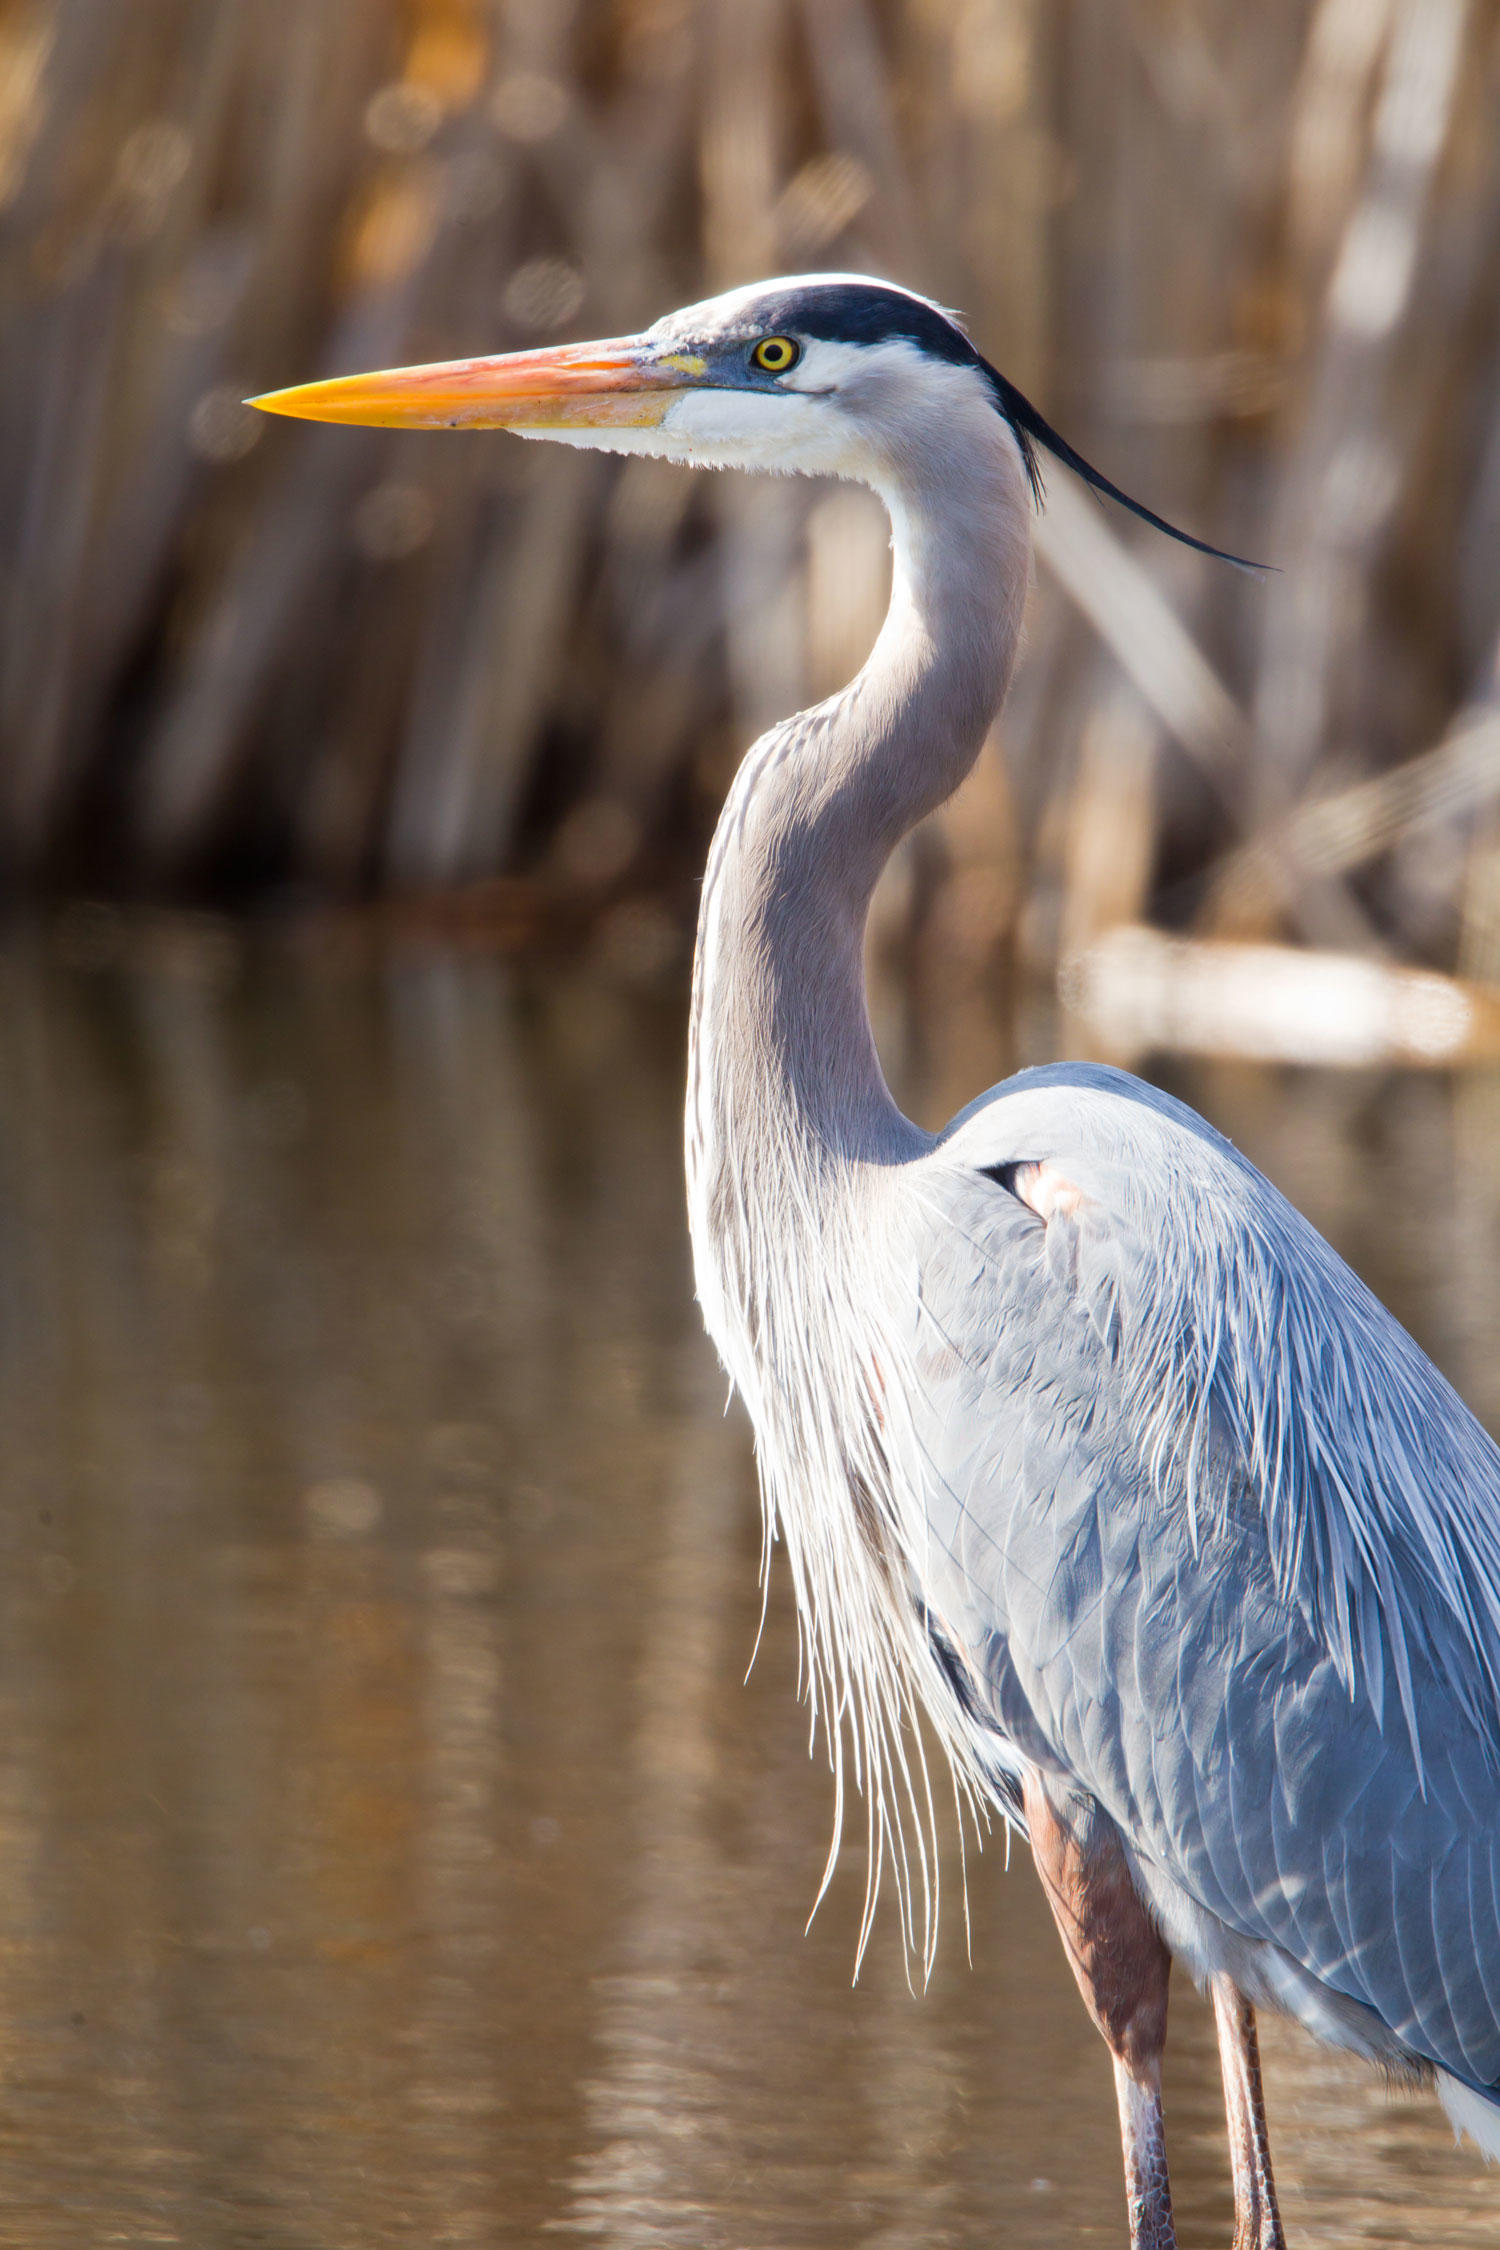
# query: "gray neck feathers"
[791,1132]
[781,1037]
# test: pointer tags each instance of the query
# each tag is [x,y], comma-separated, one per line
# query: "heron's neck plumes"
[779,1021]
[792,1134]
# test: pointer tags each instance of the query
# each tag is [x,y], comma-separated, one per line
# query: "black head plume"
[1032,430]
[856,309]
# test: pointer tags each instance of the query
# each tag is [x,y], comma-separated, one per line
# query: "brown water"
[389,1850]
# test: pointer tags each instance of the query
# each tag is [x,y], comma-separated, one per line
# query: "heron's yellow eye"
[776,354]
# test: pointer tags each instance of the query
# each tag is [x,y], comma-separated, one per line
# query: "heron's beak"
[623,383]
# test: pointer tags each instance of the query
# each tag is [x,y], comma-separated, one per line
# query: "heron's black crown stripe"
[846,312]
[852,312]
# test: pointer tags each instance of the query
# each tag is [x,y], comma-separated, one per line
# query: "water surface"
[390,1850]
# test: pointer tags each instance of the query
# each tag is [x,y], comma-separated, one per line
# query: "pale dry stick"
[341,806]
[666,614]
[1110,841]
[439,770]
[64,283]
[1190,83]
[956,1006]
[162,365]
[69,434]
[1479,902]
[613,168]
[759,521]
[110,495]
[450,785]
[254,619]
[1469,1154]
[1140,990]
[313,178]
[740,152]
[1176,681]
[1188,77]
[453,820]
[1344,473]
[634,200]
[1095,225]
[1116,110]
[403,713]
[1000,170]
[467,751]
[985,170]
[206,736]
[1342,53]
[27,38]
[1479,905]
[202,738]
[1152,646]
[1347,828]
[855,98]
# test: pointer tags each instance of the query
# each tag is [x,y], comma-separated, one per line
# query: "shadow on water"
[389,1850]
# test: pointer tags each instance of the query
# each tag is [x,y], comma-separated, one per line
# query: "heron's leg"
[1257,2222]
[1122,1966]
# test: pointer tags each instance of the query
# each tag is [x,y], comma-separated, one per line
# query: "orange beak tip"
[574,385]
[271,402]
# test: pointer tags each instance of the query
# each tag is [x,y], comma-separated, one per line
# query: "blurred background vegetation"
[1248,259]
[388,1850]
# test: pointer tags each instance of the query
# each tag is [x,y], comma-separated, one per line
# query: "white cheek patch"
[759,430]
[725,418]
[602,439]
[725,429]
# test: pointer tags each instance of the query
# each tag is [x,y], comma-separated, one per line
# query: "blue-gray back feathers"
[1221,1542]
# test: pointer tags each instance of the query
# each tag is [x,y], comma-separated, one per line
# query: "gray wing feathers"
[1222,1543]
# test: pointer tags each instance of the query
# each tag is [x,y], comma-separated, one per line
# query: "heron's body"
[1168,1508]
[1294,1737]
[1078,1437]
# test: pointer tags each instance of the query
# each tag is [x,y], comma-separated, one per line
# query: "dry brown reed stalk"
[1246,258]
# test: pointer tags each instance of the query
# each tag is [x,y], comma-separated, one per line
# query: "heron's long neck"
[781,1041]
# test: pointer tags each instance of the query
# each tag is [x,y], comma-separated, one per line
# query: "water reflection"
[389,1850]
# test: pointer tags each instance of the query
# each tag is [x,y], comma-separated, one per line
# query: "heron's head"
[818,374]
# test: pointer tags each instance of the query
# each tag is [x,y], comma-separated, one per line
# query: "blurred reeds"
[1248,259]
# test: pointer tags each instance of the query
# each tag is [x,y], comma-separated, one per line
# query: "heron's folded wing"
[1220,1541]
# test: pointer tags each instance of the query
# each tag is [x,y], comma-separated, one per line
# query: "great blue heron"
[1080,1440]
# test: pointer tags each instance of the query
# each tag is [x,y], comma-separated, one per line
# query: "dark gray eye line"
[730,375]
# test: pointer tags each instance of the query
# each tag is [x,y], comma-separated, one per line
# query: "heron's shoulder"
[1231,1330]
[1128,1145]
